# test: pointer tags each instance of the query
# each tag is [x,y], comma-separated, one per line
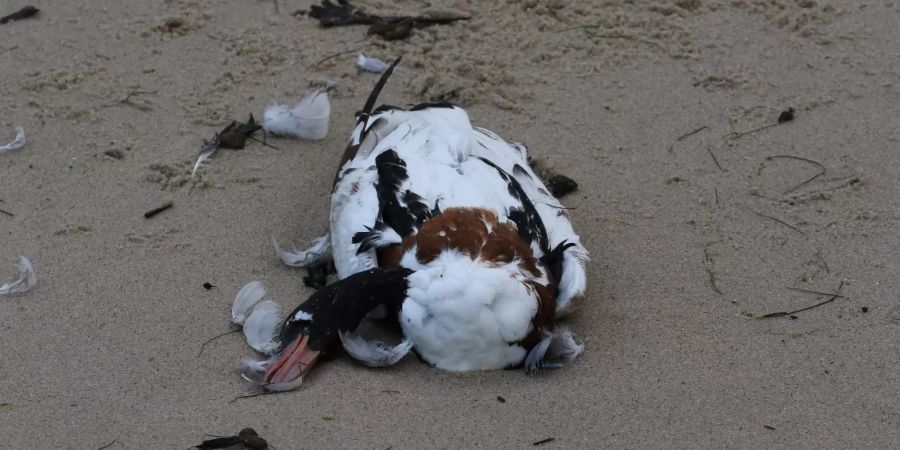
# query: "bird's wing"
[513,159]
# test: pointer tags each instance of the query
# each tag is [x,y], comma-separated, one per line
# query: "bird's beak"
[294,362]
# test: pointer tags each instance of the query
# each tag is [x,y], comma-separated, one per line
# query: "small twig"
[143,106]
[791,313]
[256,394]
[785,117]
[781,222]
[263,142]
[543,441]
[782,314]
[335,55]
[769,427]
[215,37]
[716,192]
[3,211]
[713,279]
[107,445]
[824,264]
[691,133]
[736,136]
[609,35]
[822,169]
[203,345]
[715,160]
[156,211]
[562,207]
[829,294]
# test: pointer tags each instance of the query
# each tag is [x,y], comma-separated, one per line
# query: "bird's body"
[449,228]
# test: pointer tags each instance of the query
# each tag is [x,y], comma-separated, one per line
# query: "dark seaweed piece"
[158,210]
[235,135]
[317,274]
[250,439]
[786,115]
[342,13]
[24,13]
[222,442]
[561,185]
[392,31]
[247,437]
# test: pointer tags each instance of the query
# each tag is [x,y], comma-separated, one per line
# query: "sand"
[687,252]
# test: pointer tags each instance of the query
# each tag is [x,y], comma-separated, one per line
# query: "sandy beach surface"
[693,237]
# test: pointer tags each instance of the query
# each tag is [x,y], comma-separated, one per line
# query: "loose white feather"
[553,351]
[371,64]
[27,279]
[206,150]
[246,299]
[16,143]
[253,370]
[261,328]
[251,366]
[302,258]
[374,353]
[308,119]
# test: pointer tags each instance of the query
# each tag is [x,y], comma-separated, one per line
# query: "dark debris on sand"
[343,13]
[247,437]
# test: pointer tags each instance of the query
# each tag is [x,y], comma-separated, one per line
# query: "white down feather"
[262,327]
[251,294]
[16,143]
[308,119]
[27,279]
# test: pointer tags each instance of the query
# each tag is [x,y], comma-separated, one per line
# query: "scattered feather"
[206,150]
[234,136]
[251,294]
[254,370]
[374,353]
[371,64]
[27,279]
[255,366]
[302,258]
[555,350]
[16,143]
[309,119]
[262,326]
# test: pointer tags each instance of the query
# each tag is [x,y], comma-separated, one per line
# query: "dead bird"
[388,27]
[442,227]
[561,185]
